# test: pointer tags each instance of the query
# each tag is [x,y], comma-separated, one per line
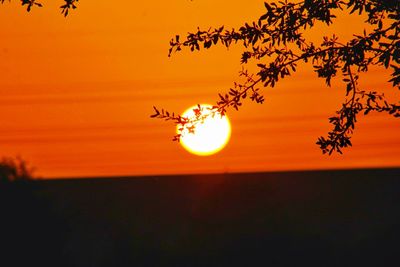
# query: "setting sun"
[209,136]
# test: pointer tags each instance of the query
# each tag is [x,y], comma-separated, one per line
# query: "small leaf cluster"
[275,43]
[30,3]
[68,4]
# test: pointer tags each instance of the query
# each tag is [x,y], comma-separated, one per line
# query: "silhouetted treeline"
[31,234]
[325,218]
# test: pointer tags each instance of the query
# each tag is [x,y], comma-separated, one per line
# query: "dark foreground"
[332,218]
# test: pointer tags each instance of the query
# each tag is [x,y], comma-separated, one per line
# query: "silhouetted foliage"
[275,42]
[32,232]
[12,170]
[68,4]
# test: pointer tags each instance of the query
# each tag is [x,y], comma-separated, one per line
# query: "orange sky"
[77,92]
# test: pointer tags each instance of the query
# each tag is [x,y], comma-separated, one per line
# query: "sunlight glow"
[209,137]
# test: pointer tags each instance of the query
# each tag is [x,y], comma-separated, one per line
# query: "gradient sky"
[77,92]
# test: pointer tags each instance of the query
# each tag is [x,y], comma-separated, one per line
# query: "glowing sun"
[209,136]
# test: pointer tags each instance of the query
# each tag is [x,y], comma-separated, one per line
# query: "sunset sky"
[77,93]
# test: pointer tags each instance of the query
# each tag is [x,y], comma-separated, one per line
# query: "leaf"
[263,17]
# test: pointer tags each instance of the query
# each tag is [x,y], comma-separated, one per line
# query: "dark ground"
[322,218]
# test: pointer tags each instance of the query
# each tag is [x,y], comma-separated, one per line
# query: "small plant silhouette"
[12,170]
[276,43]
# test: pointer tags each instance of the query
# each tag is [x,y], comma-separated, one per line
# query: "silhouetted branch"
[68,4]
[277,45]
